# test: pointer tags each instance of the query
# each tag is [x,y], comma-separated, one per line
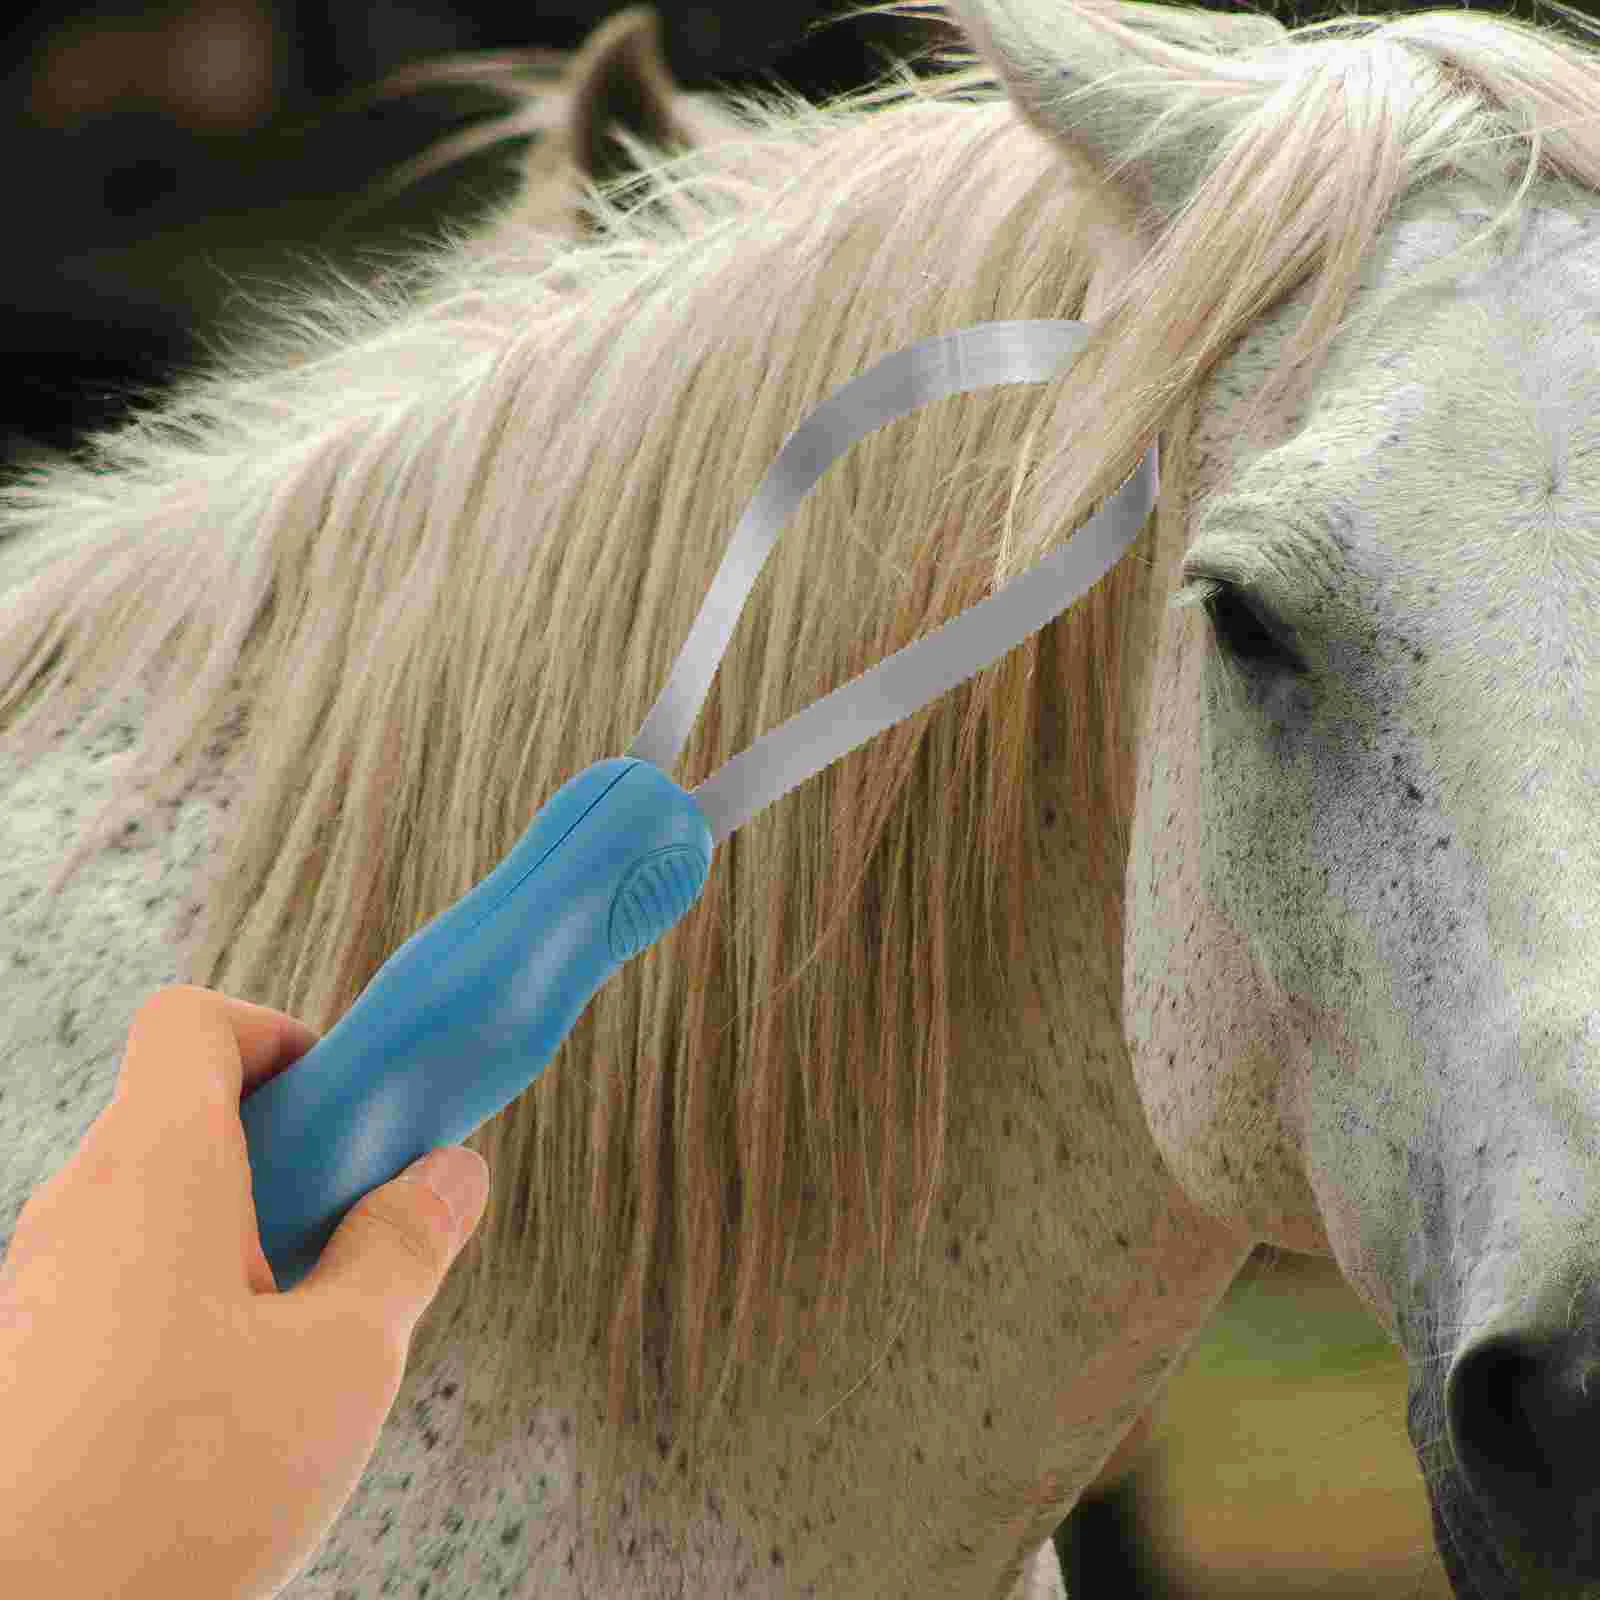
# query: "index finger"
[192,1055]
[266,1041]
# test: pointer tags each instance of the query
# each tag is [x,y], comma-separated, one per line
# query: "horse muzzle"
[1507,1433]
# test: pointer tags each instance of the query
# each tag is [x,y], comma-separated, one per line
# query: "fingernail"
[460,1177]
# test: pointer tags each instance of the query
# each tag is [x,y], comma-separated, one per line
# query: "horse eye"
[1241,632]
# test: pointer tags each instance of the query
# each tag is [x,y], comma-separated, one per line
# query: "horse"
[857,1220]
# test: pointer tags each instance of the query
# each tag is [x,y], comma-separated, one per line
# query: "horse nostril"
[1523,1420]
[1491,1401]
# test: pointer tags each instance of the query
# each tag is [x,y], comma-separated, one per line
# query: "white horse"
[858,1219]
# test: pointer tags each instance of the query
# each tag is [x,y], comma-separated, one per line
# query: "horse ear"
[620,80]
[1046,50]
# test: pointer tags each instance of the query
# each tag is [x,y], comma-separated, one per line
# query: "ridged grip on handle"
[465,1014]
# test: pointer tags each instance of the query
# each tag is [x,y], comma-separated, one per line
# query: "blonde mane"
[446,562]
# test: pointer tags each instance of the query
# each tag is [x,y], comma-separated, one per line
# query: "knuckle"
[172,994]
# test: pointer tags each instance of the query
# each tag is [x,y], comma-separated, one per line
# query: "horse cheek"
[1202,1030]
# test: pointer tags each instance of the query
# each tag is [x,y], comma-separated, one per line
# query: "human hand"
[170,1424]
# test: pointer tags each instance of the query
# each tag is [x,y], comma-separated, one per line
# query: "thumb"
[396,1243]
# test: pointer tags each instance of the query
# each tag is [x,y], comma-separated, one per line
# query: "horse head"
[1364,854]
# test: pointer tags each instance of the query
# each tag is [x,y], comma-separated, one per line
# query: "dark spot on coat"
[952,1251]
[988,1419]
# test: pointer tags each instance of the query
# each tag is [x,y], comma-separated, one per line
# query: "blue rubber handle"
[465,1014]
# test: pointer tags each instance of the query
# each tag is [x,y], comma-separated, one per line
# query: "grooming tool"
[465,1014]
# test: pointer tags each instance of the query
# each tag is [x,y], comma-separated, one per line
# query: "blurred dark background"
[170,163]
[162,153]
